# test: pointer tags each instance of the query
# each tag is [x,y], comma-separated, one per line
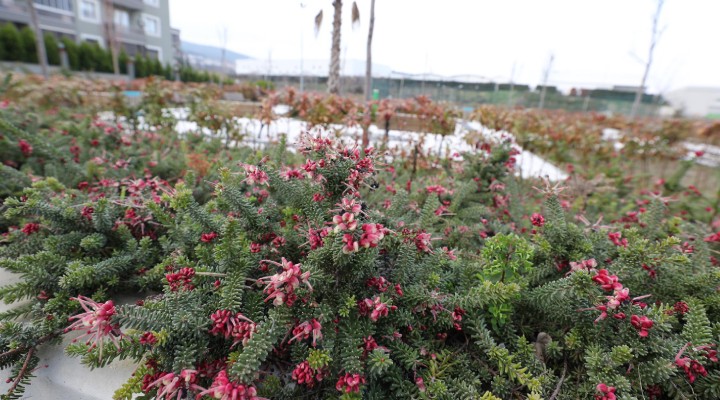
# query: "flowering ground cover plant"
[328,273]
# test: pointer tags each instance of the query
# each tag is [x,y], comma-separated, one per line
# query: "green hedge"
[19,45]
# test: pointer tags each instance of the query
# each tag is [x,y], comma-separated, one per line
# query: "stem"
[22,371]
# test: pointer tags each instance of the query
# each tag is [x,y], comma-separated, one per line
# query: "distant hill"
[210,52]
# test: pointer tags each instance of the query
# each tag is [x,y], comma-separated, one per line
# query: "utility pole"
[39,39]
[545,80]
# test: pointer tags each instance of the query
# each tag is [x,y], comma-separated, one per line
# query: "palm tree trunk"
[368,58]
[334,73]
[368,75]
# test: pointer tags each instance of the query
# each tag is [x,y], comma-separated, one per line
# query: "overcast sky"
[594,42]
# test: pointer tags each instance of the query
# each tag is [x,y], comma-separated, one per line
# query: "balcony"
[130,33]
[48,17]
[129,4]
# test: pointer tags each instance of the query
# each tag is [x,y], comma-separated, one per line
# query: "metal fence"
[473,94]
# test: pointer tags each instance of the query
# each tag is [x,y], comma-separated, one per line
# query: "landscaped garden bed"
[203,253]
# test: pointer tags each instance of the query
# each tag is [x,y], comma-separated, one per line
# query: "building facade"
[141,27]
[701,102]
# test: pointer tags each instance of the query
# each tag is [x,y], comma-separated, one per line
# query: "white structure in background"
[271,67]
[696,101]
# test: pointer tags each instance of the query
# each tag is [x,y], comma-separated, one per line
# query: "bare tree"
[39,39]
[654,39]
[334,72]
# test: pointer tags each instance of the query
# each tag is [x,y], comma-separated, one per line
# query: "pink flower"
[345,222]
[379,283]
[450,253]
[237,326]
[303,331]
[305,375]
[537,220]
[255,247]
[422,242]
[436,189]
[281,286]
[350,244]
[615,237]
[606,392]
[350,205]
[87,212]
[171,386]
[375,308]
[642,324]
[255,175]
[350,383]
[208,237]
[96,322]
[223,389]
[372,235]
[606,281]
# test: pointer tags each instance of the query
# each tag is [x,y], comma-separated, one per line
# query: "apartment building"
[141,27]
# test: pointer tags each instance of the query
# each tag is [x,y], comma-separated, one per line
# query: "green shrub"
[29,47]
[11,42]
[51,49]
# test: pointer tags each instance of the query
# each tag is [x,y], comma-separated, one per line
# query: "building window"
[90,10]
[55,5]
[122,18]
[154,3]
[92,39]
[151,25]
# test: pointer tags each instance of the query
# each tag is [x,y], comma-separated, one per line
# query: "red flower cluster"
[642,324]
[237,326]
[303,331]
[537,220]
[691,367]
[30,228]
[350,383]
[617,239]
[379,283]
[372,235]
[620,296]
[281,286]
[375,308]
[714,238]
[25,148]
[606,281]
[223,389]
[208,237]
[148,338]
[457,315]
[181,279]
[681,307]
[606,392]
[305,375]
